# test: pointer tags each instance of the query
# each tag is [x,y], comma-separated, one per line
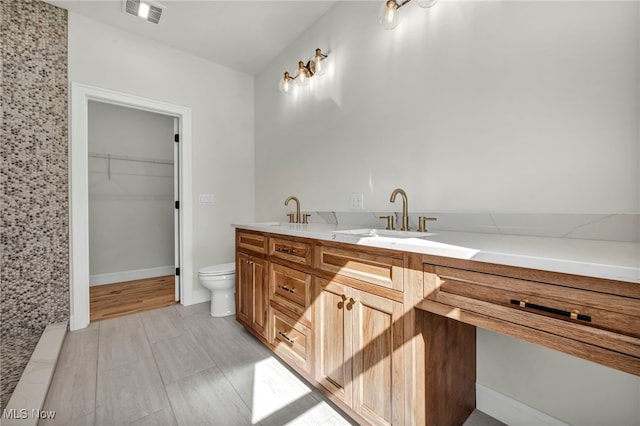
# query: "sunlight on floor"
[274,388]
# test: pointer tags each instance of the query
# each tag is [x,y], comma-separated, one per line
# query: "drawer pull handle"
[287,338]
[286,250]
[287,289]
[576,315]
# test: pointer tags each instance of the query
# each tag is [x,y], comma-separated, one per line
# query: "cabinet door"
[378,386]
[244,289]
[332,325]
[260,295]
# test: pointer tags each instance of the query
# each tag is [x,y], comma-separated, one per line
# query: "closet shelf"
[129,158]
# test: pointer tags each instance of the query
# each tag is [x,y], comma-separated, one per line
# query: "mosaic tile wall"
[34,242]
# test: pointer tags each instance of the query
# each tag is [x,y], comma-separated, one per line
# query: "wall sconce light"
[319,63]
[285,83]
[389,13]
[304,74]
[315,66]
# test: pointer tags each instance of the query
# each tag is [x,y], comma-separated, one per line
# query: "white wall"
[131,205]
[221,100]
[524,107]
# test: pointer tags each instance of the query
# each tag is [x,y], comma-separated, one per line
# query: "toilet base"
[223,304]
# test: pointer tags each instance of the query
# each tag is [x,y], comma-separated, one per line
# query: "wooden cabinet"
[359,351]
[252,293]
[390,336]
[594,319]
[291,340]
[290,290]
[251,241]
[380,270]
[290,250]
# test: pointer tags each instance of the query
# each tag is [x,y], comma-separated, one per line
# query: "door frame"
[81,94]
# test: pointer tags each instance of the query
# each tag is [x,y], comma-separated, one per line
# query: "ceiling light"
[143,10]
[148,10]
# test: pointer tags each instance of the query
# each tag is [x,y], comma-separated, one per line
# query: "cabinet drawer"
[572,312]
[291,289]
[293,251]
[251,241]
[374,269]
[291,340]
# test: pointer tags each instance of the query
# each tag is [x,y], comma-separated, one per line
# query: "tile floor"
[179,366]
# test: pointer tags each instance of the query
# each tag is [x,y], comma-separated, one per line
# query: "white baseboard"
[510,411]
[137,274]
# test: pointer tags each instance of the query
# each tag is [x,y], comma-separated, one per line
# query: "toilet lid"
[222,269]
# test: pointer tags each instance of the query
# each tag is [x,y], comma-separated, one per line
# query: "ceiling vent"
[145,9]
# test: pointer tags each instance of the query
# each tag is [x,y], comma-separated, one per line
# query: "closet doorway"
[81,94]
[133,187]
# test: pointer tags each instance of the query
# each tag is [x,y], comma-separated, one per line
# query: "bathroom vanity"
[386,324]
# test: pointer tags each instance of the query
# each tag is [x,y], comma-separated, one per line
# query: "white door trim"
[81,94]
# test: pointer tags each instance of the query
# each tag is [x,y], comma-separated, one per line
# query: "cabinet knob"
[341,303]
[350,304]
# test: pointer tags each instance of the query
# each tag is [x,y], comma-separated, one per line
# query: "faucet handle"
[422,223]
[305,218]
[291,215]
[390,219]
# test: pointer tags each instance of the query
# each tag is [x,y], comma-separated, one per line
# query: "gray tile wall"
[34,242]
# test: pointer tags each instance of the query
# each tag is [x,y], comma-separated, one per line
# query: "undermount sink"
[382,233]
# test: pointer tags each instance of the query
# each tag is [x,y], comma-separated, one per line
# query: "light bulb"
[426,3]
[143,10]
[319,63]
[304,76]
[285,85]
[389,14]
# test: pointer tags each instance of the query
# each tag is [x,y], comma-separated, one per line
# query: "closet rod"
[128,158]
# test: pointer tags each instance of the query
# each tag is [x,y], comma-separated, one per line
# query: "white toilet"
[221,280]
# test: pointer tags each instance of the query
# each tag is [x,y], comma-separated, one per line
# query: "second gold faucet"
[405,208]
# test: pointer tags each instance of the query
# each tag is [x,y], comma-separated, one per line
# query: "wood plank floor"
[180,366]
[114,300]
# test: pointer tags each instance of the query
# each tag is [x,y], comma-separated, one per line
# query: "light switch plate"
[205,199]
[357,201]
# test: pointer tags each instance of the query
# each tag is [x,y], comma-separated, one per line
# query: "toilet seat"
[217,270]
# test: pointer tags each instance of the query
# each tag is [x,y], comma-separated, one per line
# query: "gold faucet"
[286,202]
[405,211]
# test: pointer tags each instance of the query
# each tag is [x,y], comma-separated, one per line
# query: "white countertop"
[593,258]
